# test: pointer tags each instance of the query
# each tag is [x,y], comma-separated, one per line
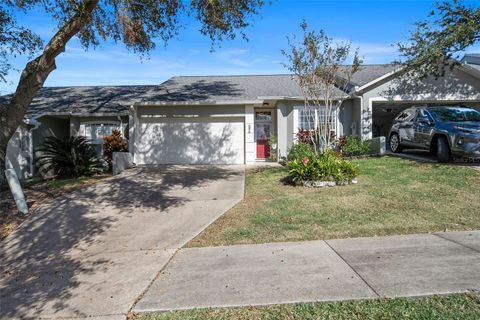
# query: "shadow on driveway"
[426,156]
[46,264]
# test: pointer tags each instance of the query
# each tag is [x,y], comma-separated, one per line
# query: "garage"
[383,115]
[190,140]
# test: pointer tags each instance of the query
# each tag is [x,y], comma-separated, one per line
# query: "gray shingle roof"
[368,73]
[88,100]
[195,89]
[472,59]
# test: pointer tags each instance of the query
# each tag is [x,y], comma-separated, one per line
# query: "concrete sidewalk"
[93,252]
[242,275]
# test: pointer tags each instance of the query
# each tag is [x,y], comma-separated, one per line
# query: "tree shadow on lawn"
[45,260]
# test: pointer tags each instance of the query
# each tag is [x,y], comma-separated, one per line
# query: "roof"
[198,89]
[472,55]
[472,59]
[88,100]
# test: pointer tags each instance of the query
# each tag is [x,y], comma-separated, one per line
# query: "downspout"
[35,124]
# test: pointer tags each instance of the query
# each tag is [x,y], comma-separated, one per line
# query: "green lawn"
[393,196]
[459,307]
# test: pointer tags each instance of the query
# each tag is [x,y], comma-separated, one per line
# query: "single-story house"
[226,119]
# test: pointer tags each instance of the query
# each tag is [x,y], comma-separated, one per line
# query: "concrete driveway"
[93,252]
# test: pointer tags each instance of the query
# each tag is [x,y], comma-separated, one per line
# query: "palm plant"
[68,158]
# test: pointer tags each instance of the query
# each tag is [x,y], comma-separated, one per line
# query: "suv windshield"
[455,114]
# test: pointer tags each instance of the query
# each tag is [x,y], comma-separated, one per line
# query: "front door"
[263,129]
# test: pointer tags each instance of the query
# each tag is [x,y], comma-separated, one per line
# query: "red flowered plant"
[305,161]
[113,143]
[304,136]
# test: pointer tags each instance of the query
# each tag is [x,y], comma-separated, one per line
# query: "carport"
[384,112]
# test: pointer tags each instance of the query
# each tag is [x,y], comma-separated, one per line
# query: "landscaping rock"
[321,184]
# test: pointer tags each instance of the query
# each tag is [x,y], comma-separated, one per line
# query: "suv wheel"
[443,152]
[395,143]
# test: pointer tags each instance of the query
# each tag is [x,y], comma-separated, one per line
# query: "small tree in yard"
[138,24]
[319,67]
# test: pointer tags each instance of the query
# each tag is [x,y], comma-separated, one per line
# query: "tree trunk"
[34,76]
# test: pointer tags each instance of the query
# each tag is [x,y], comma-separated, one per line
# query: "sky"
[374,26]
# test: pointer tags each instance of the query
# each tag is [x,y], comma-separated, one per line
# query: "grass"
[459,306]
[393,196]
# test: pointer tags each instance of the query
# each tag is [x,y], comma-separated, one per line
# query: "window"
[423,116]
[455,114]
[96,131]
[407,115]
[332,123]
[307,118]
[264,116]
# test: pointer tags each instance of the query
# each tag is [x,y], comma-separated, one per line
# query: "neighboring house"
[472,59]
[228,119]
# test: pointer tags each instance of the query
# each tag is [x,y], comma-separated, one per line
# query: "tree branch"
[34,75]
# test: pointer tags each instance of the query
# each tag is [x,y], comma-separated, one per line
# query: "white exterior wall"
[282,129]
[250,143]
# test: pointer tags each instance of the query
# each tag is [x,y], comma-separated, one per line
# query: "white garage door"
[190,141]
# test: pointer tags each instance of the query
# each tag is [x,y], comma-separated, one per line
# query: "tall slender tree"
[319,65]
[139,25]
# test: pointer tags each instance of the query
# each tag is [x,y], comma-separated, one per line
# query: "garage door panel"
[199,141]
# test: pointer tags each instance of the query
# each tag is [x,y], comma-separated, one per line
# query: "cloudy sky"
[372,26]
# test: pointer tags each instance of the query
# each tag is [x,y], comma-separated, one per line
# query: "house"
[226,119]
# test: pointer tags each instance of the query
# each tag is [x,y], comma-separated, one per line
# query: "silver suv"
[447,131]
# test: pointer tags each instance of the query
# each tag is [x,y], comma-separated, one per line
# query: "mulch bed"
[10,219]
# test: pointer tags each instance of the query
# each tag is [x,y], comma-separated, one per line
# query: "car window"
[456,114]
[423,116]
[407,115]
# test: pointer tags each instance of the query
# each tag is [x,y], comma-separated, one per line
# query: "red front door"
[263,149]
[262,132]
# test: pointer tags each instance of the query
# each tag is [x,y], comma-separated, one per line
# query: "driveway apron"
[93,252]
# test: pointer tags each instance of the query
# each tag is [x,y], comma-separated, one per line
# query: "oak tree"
[140,25]
[437,42]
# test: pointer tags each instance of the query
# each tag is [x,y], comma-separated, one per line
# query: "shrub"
[312,137]
[73,157]
[299,151]
[353,146]
[305,136]
[326,167]
[113,143]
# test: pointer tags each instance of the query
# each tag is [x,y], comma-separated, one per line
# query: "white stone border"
[322,184]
